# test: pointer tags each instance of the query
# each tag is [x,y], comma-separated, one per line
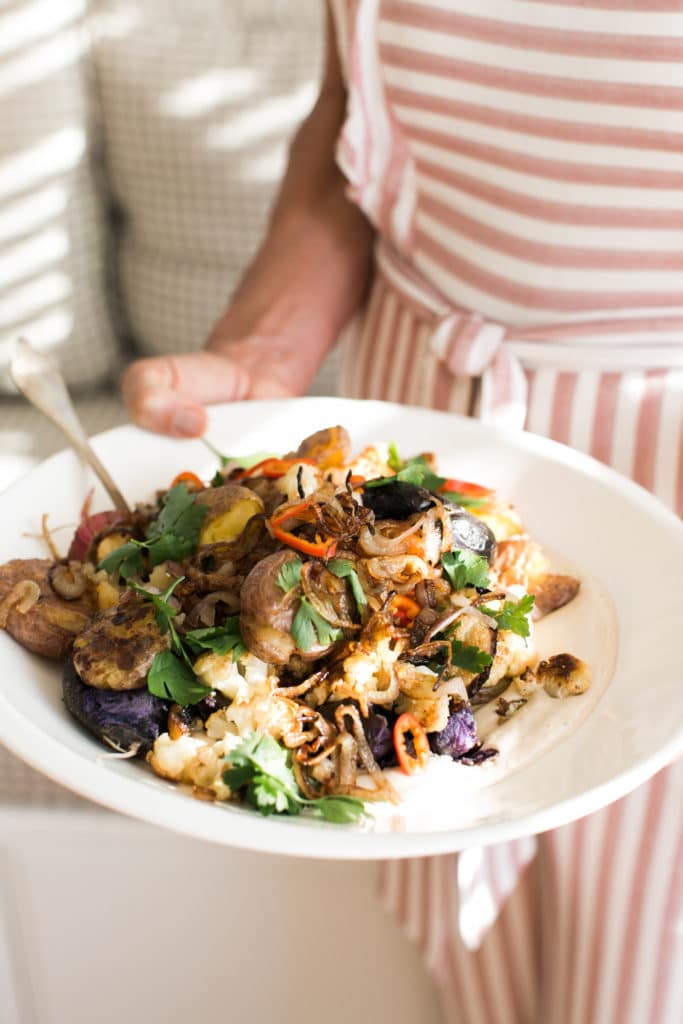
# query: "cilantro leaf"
[309,627]
[513,615]
[245,461]
[341,810]
[343,568]
[219,639]
[260,768]
[418,472]
[164,612]
[465,500]
[127,560]
[415,471]
[174,534]
[264,754]
[172,674]
[170,678]
[464,567]
[469,657]
[289,575]
[271,796]
[394,460]
[261,765]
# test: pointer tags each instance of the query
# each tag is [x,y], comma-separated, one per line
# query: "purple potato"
[123,719]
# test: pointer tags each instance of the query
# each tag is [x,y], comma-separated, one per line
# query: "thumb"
[167,394]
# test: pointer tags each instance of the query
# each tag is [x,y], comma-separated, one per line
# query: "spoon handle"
[38,378]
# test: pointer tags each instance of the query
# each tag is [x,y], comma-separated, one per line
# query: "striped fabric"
[523,163]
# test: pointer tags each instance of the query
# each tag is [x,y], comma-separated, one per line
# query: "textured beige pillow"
[52,269]
[198,101]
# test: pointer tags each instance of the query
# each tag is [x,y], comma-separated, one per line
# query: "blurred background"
[141,142]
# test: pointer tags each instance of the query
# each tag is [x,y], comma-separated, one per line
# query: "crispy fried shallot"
[68,580]
[21,599]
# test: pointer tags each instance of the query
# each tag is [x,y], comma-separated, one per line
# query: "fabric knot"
[467,343]
[470,346]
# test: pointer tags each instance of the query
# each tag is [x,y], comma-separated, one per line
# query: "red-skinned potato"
[268,613]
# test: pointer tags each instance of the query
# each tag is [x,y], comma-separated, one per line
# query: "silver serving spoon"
[39,379]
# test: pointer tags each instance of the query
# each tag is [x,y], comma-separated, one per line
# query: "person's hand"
[168,393]
[308,278]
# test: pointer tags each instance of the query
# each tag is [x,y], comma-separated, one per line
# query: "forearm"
[307,279]
[313,268]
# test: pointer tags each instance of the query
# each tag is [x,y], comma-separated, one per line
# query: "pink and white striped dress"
[522,161]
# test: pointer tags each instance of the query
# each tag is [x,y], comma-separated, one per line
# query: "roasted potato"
[127,720]
[553,591]
[268,613]
[49,625]
[329,448]
[521,561]
[118,646]
[230,507]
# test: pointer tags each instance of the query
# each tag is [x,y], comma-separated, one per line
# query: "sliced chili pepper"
[404,609]
[319,548]
[409,762]
[272,468]
[189,478]
[467,488]
[306,511]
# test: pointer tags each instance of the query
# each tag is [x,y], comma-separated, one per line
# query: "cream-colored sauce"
[587,628]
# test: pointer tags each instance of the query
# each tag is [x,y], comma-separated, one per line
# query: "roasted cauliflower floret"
[563,675]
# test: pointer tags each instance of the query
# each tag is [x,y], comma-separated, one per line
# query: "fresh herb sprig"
[468,657]
[310,628]
[164,612]
[394,460]
[172,679]
[514,615]
[415,471]
[464,500]
[174,534]
[259,768]
[171,675]
[343,568]
[243,461]
[465,568]
[219,639]
[289,575]
[462,655]
[418,471]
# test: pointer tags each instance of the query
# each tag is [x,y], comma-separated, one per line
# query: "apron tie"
[470,346]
